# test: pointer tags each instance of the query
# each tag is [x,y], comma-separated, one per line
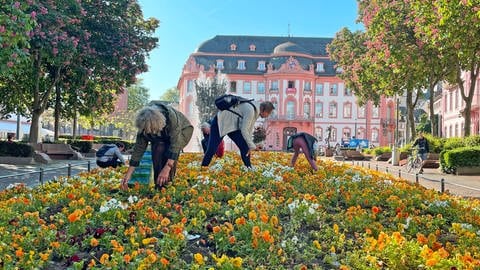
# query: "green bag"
[143,174]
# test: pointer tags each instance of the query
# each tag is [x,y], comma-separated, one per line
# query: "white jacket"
[229,122]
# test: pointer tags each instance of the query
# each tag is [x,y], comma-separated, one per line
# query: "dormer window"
[241,65]
[252,47]
[220,64]
[261,65]
[320,67]
[233,47]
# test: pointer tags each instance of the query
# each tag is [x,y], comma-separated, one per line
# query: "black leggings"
[159,160]
[215,140]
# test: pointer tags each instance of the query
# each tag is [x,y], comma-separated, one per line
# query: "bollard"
[416,179]
[363,164]
[369,165]
[376,167]
[69,170]
[399,173]
[386,169]
[40,178]
[442,185]
[88,166]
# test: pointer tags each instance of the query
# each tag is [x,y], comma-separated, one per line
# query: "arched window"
[233,47]
[252,47]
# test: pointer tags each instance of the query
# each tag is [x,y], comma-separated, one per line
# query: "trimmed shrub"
[452,143]
[83,146]
[462,157]
[16,149]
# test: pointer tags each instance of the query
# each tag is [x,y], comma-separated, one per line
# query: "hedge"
[462,157]
[15,149]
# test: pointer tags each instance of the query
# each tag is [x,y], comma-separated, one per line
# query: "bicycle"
[414,161]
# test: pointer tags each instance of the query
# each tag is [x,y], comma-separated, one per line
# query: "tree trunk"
[433,121]
[74,128]
[36,108]
[410,115]
[58,108]
[468,98]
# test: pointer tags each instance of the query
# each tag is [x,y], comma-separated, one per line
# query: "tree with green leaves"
[454,28]
[15,27]
[87,51]
[208,89]
[172,94]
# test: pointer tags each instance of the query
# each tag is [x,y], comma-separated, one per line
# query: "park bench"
[354,155]
[384,157]
[432,161]
[60,151]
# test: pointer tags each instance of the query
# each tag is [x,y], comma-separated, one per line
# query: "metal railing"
[42,173]
[417,177]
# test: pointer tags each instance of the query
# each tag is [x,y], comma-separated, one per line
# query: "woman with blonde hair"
[168,131]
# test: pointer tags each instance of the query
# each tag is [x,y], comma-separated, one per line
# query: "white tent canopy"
[8,126]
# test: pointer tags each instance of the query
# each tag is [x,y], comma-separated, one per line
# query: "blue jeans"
[215,140]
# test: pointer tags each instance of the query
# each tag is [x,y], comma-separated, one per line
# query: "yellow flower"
[252,215]
[317,244]
[165,222]
[335,228]
[199,258]
[237,262]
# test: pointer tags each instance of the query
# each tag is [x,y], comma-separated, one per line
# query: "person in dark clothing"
[112,157]
[423,148]
[238,125]
[205,127]
[305,142]
[168,131]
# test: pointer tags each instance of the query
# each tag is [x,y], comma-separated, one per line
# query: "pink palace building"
[297,75]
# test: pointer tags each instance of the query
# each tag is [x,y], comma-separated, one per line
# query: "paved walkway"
[33,175]
[461,185]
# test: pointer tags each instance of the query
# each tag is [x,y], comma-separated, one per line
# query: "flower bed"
[229,218]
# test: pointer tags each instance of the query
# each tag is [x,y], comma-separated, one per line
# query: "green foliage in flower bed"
[15,149]
[227,217]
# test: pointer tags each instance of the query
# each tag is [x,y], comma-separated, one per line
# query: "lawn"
[273,217]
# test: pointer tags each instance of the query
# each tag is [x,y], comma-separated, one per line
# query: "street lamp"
[395,152]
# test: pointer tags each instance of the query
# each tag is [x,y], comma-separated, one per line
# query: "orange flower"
[104,258]
[127,258]
[19,253]
[264,218]
[75,215]
[55,244]
[93,242]
[231,239]
[92,263]
[240,221]
[216,229]
[164,261]
[375,210]
[422,239]
[255,231]
[267,237]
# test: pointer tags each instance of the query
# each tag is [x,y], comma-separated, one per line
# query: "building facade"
[298,77]
[449,106]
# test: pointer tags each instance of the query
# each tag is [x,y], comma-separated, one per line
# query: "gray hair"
[205,125]
[150,120]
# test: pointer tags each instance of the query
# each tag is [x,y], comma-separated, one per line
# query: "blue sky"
[185,24]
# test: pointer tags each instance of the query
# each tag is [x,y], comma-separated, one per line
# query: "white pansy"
[132,199]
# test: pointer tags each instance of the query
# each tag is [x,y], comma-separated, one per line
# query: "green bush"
[83,146]
[452,143]
[377,151]
[472,141]
[434,143]
[16,149]
[462,157]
